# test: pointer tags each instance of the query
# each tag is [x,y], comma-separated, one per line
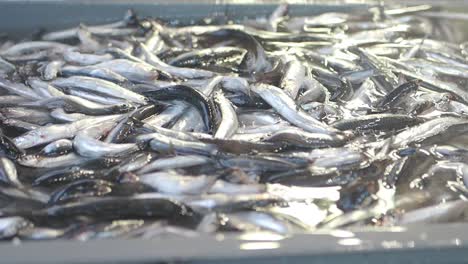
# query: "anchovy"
[394,172]
[173,183]
[20,125]
[163,143]
[379,122]
[189,95]
[155,85]
[80,105]
[12,100]
[166,132]
[47,134]
[175,162]
[206,86]
[229,123]
[29,198]
[276,15]
[33,116]
[320,178]
[168,116]
[136,161]
[258,118]
[38,161]
[60,115]
[128,124]
[229,203]
[200,58]
[293,78]
[344,156]
[8,173]
[40,233]
[97,98]
[190,121]
[449,152]
[235,84]
[87,146]
[120,207]
[357,76]
[256,163]
[51,70]
[76,57]
[130,70]
[66,175]
[88,42]
[9,148]
[254,221]
[435,84]
[243,146]
[396,94]
[439,68]
[44,89]
[302,139]
[57,147]
[180,72]
[33,46]
[154,42]
[247,101]
[387,79]
[255,60]
[287,108]
[101,73]
[79,189]
[443,126]
[315,92]
[221,186]
[34,56]
[101,86]
[19,89]
[98,131]
[337,63]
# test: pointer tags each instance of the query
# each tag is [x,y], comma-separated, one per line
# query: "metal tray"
[413,244]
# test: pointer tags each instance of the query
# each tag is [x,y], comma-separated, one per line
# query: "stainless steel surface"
[416,244]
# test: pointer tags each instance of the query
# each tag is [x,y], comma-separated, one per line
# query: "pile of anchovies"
[283,124]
